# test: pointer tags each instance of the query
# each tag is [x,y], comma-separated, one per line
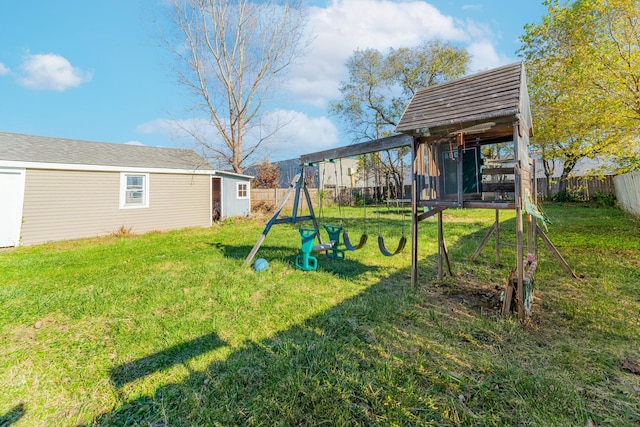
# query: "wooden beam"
[497,171]
[554,251]
[519,230]
[471,204]
[490,187]
[416,149]
[497,237]
[440,247]
[508,294]
[460,170]
[430,213]
[484,242]
[382,144]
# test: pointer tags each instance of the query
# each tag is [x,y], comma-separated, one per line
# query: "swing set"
[446,126]
[332,249]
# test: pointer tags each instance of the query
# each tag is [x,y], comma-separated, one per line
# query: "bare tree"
[231,54]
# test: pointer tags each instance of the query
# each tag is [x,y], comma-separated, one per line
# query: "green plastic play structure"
[306,261]
[334,235]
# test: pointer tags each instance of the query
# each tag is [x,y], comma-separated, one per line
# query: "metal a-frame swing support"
[299,187]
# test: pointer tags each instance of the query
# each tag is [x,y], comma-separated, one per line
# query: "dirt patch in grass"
[467,294]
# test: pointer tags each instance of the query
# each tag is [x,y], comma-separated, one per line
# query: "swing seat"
[323,246]
[401,244]
[349,246]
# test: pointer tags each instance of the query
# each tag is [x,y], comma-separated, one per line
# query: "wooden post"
[460,169]
[534,189]
[508,295]
[519,225]
[434,170]
[530,235]
[440,248]
[445,251]
[497,237]
[417,157]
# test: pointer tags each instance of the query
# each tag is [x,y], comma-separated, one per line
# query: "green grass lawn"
[169,329]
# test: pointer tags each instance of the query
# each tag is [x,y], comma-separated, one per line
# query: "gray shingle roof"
[496,94]
[42,149]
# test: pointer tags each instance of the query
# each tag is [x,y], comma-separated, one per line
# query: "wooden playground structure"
[447,126]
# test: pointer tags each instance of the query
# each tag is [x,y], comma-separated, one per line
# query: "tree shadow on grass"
[312,372]
[179,354]
[370,360]
[346,268]
[268,251]
[328,369]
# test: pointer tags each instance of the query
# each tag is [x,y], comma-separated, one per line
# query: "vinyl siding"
[62,205]
[232,205]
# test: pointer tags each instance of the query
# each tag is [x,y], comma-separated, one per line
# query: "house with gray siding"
[59,189]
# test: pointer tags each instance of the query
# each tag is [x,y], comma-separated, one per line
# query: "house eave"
[100,168]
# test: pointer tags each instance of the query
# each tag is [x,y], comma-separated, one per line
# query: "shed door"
[216,198]
[11,198]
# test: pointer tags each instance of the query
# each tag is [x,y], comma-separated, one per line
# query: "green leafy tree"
[583,63]
[380,87]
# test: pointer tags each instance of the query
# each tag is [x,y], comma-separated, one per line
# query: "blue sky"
[95,70]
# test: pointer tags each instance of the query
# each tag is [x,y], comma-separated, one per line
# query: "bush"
[123,231]
[263,207]
[603,199]
[565,196]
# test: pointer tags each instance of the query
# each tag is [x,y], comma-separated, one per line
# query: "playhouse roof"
[492,99]
[47,150]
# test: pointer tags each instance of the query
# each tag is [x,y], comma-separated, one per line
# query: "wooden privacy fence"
[344,196]
[260,196]
[582,188]
[628,191]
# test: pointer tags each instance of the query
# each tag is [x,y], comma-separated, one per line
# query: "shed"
[231,194]
[59,189]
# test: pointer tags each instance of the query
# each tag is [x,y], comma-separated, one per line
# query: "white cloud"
[297,133]
[484,56]
[301,134]
[50,72]
[346,25]
[133,143]
[4,70]
[165,127]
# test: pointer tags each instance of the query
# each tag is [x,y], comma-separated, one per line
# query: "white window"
[134,190]
[243,190]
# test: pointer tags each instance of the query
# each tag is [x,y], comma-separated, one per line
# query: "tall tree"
[584,79]
[231,54]
[380,86]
